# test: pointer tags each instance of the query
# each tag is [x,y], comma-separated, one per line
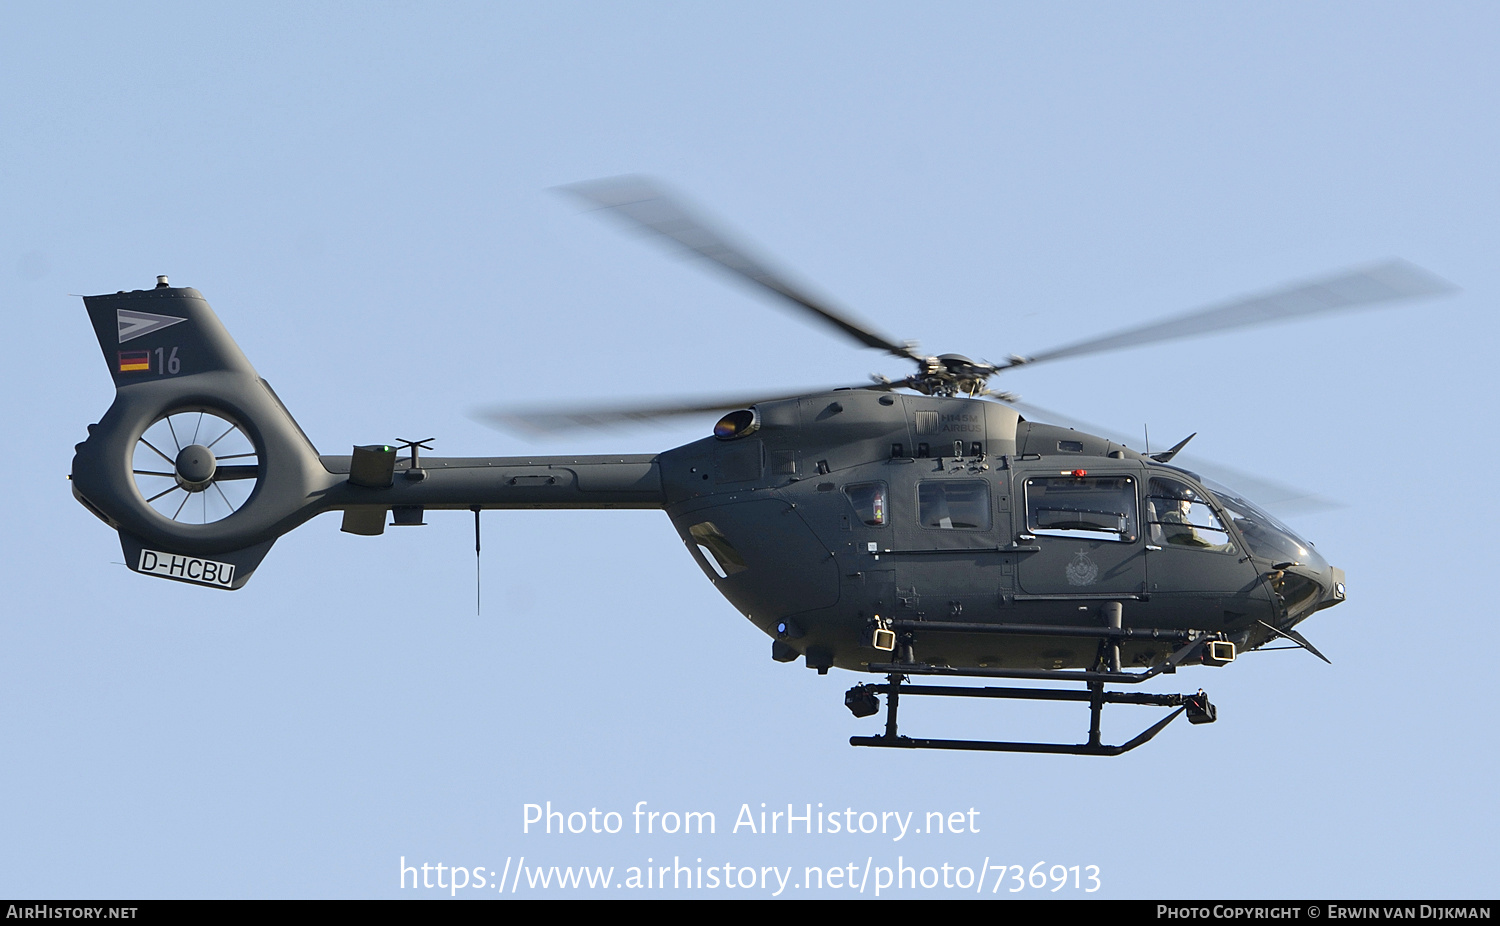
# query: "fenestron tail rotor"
[194,466]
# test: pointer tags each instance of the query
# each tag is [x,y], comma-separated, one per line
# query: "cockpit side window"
[1177,516]
[1082,507]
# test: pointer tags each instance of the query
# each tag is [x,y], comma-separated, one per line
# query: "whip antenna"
[476,560]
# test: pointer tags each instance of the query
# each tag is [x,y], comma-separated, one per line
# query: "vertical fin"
[151,334]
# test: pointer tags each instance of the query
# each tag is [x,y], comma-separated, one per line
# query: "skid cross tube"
[1096,697]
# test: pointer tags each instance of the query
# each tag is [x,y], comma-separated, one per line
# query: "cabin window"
[957,505]
[717,551]
[868,499]
[1082,507]
[1179,517]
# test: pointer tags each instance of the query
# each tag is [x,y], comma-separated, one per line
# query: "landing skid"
[860,697]
[1194,645]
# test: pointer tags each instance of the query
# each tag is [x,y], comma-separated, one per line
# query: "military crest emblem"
[1081,570]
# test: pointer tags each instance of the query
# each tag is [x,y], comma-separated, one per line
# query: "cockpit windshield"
[1266,536]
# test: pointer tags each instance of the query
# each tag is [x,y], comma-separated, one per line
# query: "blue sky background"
[362,193]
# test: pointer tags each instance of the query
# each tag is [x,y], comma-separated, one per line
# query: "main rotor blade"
[554,420]
[636,200]
[1388,282]
[1283,498]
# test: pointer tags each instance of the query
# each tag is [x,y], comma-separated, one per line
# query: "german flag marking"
[133,360]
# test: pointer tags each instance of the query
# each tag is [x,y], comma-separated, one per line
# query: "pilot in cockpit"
[1170,513]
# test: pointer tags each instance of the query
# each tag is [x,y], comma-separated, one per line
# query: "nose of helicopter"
[1301,578]
[1305,588]
[1331,591]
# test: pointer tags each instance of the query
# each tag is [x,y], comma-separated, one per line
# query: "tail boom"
[171,359]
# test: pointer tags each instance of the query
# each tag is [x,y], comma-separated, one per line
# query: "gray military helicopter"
[920,526]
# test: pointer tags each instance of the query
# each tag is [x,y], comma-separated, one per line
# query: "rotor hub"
[952,375]
[195,467]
